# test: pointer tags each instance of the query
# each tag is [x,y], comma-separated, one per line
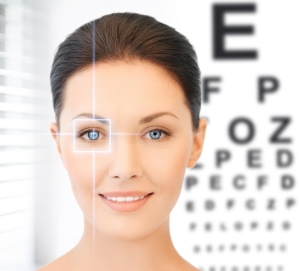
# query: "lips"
[125,201]
[122,199]
[126,194]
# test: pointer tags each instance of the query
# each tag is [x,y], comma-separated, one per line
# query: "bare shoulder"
[186,266]
[189,267]
[60,264]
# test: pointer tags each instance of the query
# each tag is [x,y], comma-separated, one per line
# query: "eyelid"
[81,133]
[167,133]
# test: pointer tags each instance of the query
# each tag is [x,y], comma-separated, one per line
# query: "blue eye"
[157,134]
[91,135]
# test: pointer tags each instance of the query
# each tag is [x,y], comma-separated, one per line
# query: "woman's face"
[152,143]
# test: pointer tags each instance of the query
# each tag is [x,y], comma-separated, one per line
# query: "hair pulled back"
[128,36]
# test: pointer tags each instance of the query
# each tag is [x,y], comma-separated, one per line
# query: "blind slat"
[20,156]
[28,125]
[17,220]
[16,172]
[22,108]
[23,92]
[23,75]
[21,58]
[13,39]
[14,189]
[22,140]
[14,238]
[11,205]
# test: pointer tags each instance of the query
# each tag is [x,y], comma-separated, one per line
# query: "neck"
[152,252]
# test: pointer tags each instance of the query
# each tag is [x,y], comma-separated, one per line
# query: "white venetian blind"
[22,106]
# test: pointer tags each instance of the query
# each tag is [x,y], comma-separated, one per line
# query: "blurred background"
[239,209]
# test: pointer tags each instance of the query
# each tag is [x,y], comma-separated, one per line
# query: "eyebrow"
[156,115]
[144,120]
[92,116]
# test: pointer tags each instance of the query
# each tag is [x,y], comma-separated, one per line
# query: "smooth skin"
[127,92]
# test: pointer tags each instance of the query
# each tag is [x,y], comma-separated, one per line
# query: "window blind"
[22,121]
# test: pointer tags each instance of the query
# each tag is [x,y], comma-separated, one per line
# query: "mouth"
[131,198]
[125,201]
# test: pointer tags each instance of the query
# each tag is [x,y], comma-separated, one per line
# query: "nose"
[124,163]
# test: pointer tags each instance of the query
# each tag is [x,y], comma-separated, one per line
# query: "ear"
[55,134]
[198,142]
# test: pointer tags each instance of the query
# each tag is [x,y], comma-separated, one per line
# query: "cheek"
[80,170]
[166,168]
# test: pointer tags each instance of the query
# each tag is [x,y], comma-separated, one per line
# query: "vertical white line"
[73,136]
[94,66]
[94,111]
[94,202]
[110,134]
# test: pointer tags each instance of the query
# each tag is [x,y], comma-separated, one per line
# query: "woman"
[126,93]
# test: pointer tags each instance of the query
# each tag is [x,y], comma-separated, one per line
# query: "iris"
[155,134]
[93,135]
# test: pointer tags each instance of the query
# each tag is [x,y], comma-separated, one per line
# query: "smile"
[122,199]
[125,204]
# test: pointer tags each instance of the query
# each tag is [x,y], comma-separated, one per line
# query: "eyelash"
[84,132]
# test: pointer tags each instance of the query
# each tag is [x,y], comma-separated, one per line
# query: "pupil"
[155,135]
[93,135]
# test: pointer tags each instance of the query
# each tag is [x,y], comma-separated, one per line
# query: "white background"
[276,38]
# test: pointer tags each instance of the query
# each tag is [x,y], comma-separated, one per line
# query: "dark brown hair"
[128,36]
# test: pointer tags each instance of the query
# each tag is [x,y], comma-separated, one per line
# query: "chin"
[128,229]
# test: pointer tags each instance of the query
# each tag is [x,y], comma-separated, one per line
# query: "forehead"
[118,88]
